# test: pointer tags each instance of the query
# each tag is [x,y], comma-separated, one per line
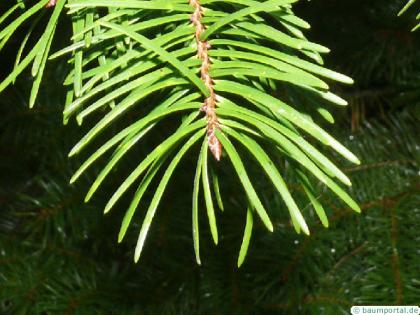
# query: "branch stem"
[209,106]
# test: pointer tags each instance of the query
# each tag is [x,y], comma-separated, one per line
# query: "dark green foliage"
[373,46]
[59,255]
[409,4]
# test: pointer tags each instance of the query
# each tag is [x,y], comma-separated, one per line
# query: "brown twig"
[391,205]
[377,165]
[209,105]
[326,298]
[341,213]
[353,253]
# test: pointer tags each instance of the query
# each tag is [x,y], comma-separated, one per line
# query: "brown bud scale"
[51,3]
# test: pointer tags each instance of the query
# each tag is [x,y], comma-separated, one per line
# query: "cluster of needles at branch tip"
[210,102]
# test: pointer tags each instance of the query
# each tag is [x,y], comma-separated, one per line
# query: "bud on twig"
[51,3]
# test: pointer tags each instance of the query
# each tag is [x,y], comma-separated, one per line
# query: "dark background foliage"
[60,256]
